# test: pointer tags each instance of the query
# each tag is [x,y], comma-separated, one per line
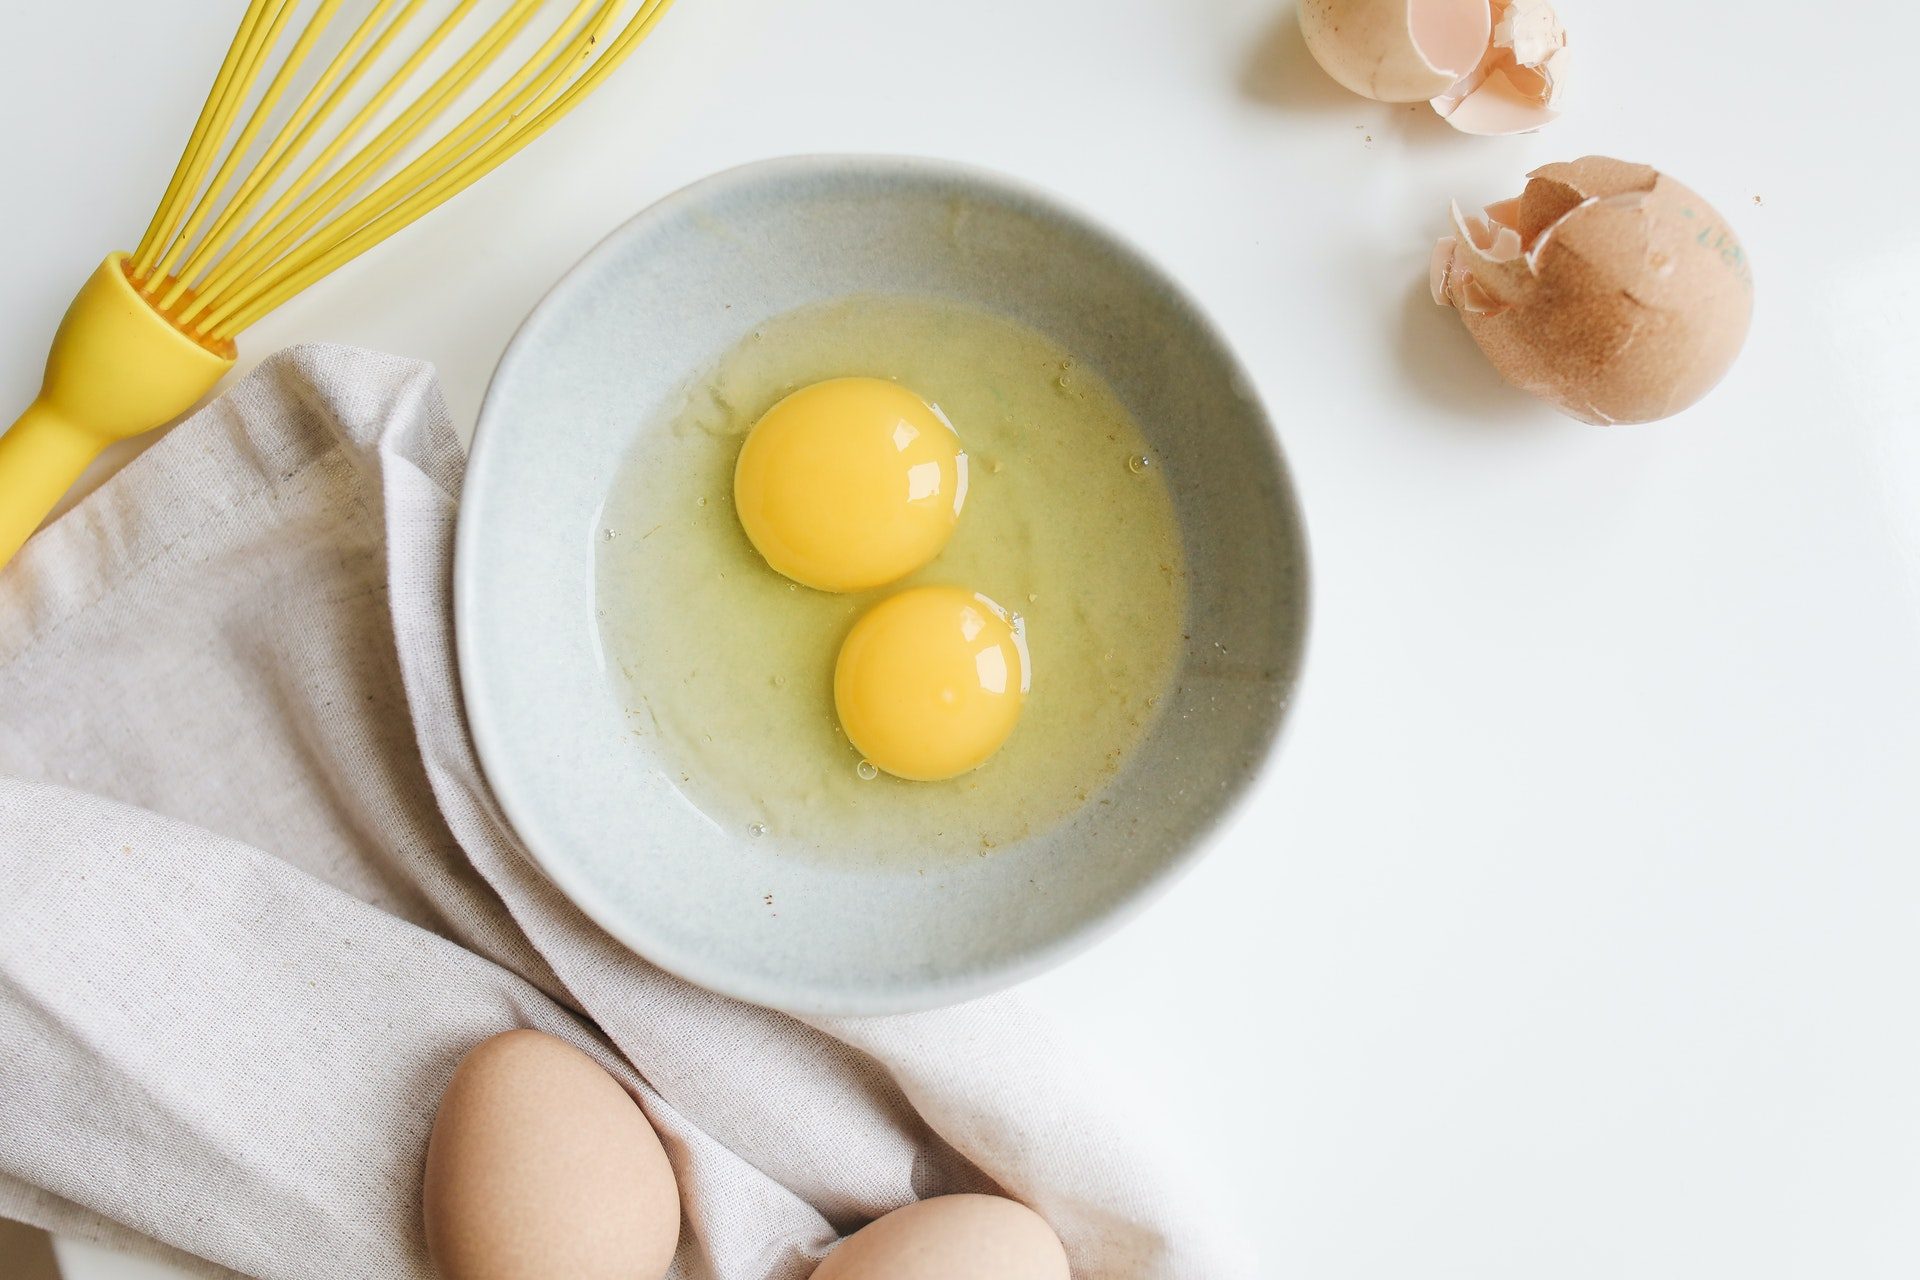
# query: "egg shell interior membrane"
[1450,34]
[1514,83]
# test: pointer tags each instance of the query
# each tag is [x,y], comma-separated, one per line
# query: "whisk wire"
[340,77]
[280,229]
[218,263]
[259,45]
[256,121]
[525,91]
[186,174]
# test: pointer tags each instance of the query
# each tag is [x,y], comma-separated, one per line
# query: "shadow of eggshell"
[1280,71]
[1445,371]
[541,1165]
[1605,288]
[963,1237]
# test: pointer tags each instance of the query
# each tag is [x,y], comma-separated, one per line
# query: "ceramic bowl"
[658,302]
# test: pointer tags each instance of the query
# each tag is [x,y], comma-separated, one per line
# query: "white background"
[1576,932]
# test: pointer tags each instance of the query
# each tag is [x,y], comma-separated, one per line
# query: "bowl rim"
[769,989]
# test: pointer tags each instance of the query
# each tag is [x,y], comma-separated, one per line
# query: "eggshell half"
[541,1165]
[1396,50]
[961,1237]
[1605,288]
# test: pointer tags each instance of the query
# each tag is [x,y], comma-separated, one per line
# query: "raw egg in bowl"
[874,580]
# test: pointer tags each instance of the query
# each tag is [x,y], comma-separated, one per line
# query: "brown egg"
[541,1165]
[951,1238]
[1487,66]
[1605,288]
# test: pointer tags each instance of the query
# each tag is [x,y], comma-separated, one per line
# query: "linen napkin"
[256,902]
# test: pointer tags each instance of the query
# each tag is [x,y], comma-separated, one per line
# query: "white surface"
[1575,934]
[84,1260]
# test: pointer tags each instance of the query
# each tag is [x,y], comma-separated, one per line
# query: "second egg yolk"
[850,484]
[930,682]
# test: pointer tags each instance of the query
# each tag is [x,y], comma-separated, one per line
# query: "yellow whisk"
[244,226]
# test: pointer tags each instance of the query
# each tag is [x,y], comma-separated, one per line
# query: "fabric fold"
[258,900]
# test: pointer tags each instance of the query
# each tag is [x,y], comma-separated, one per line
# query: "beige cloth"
[255,902]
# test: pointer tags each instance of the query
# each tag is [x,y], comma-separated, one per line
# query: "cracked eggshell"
[1605,288]
[1516,86]
[1397,50]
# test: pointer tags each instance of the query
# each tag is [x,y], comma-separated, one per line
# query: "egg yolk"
[850,483]
[930,681]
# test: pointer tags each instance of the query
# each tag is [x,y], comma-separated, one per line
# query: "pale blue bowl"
[662,298]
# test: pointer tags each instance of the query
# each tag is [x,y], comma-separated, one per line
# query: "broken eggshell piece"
[1396,50]
[1518,81]
[1605,288]
[1487,66]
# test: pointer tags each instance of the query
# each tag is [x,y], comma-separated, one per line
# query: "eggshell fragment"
[963,1237]
[1396,50]
[1487,66]
[1518,80]
[1605,288]
[541,1165]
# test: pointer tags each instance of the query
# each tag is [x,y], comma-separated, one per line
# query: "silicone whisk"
[268,198]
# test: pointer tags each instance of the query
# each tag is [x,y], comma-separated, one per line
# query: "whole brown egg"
[541,1165]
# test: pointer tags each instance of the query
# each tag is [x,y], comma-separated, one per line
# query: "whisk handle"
[40,458]
[118,368]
